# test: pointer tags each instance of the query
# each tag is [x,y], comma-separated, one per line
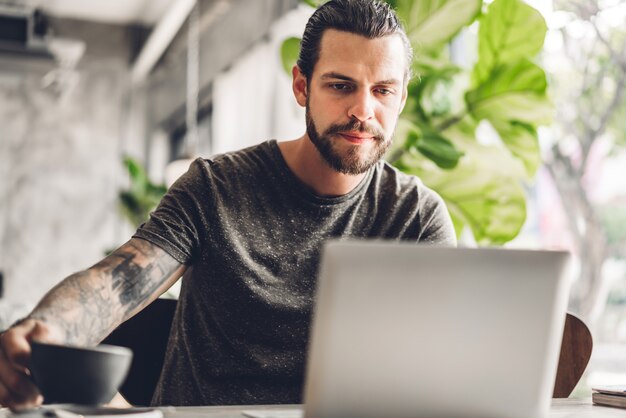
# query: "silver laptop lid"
[402,330]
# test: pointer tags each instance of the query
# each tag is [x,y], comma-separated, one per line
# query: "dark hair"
[369,18]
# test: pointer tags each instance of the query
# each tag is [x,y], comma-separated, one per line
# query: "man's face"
[354,97]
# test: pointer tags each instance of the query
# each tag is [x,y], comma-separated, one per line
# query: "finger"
[13,401]
[20,406]
[26,404]
[5,395]
[40,332]
[17,383]
[15,341]
[15,346]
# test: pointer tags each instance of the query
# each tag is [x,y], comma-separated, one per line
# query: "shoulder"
[241,159]
[409,193]
[232,165]
[406,185]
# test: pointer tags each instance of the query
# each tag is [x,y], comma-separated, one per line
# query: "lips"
[356,137]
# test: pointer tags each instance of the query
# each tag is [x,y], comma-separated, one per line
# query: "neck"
[305,161]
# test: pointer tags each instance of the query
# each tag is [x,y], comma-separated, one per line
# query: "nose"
[362,108]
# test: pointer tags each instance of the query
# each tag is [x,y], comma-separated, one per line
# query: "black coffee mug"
[79,375]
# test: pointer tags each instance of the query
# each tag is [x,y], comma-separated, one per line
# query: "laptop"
[403,330]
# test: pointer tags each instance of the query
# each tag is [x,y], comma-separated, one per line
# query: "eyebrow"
[339,76]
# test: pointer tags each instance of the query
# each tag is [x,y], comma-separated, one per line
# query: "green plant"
[438,136]
[142,196]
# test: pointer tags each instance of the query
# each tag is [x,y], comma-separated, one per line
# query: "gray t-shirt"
[251,233]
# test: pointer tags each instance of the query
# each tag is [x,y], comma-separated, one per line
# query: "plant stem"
[450,121]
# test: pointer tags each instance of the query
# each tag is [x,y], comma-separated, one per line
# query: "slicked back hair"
[369,18]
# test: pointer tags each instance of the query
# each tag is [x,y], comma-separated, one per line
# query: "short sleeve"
[437,227]
[177,222]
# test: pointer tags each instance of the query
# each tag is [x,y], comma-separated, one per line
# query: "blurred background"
[103,104]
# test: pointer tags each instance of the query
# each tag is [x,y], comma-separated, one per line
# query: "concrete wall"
[60,167]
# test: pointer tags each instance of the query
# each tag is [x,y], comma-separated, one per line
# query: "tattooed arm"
[83,309]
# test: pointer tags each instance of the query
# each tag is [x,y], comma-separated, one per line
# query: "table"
[561,408]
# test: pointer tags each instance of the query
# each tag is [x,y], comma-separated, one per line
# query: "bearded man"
[248,227]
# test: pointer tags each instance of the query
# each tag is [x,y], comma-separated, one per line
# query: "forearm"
[85,307]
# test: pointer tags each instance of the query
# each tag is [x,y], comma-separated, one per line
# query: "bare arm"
[83,309]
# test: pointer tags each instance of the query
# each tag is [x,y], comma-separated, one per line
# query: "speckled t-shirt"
[251,233]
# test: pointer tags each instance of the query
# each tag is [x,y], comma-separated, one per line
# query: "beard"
[354,160]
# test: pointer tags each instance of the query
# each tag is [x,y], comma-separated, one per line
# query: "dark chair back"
[146,334]
[576,348]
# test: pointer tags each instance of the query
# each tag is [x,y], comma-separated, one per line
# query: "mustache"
[355,126]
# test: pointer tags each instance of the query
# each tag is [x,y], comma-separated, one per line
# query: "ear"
[299,85]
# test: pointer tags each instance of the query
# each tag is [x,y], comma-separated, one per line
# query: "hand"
[17,390]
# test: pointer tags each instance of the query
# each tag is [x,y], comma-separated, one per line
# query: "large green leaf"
[435,92]
[522,140]
[509,31]
[429,143]
[433,22]
[289,51]
[482,192]
[432,61]
[513,92]
[439,149]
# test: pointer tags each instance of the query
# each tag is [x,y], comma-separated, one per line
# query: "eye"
[384,91]
[341,87]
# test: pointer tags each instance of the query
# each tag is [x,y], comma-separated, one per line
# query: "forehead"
[357,56]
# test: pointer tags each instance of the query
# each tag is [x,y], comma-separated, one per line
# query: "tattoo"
[88,305]
[140,273]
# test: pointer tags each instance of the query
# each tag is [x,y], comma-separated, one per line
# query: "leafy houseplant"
[142,196]
[441,132]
